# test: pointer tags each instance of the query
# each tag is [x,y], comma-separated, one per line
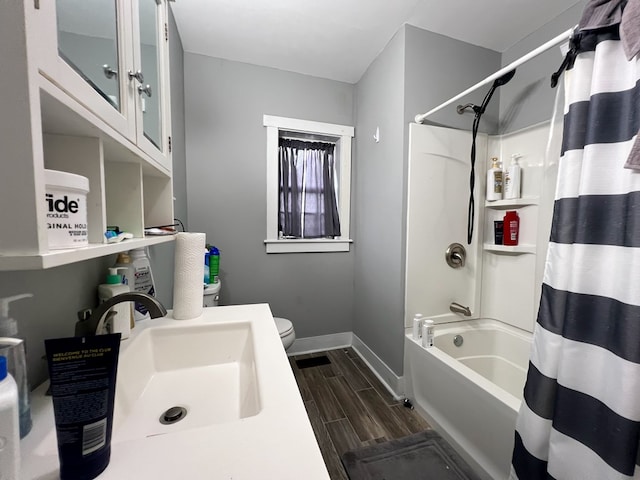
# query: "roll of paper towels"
[188,278]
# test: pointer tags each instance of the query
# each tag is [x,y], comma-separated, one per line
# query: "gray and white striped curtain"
[307,201]
[580,418]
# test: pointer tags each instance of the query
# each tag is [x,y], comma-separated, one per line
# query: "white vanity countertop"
[277,443]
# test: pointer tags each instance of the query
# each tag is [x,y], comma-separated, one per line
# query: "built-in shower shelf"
[512,203]
[515,249]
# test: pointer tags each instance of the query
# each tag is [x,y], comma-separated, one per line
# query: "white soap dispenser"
[13,348]
[512,178]
[494,181]
[120,322]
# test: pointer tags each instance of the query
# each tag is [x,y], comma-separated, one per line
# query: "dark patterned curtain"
[307,201]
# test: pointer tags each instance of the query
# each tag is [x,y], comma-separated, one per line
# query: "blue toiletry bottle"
[207,277]
[214,264]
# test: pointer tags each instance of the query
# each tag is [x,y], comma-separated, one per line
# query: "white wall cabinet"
[69,103]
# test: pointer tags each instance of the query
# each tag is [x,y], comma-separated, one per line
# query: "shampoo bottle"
[9,425]
[427,333]
[120,321]
[494,181]
[512,179]
[417,326]
[142,280]
[13,348]
[511,226]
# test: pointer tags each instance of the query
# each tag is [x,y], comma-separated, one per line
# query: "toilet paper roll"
[188,275]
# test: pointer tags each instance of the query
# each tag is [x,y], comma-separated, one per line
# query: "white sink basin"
[209,370]
[245,417]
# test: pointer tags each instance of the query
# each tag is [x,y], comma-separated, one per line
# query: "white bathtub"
[471,394]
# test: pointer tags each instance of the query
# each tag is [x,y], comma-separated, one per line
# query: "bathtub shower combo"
[483,299]
[469,386]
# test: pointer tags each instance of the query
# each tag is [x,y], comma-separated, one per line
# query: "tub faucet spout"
[457,308]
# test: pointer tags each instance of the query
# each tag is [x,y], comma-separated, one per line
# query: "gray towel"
[633,160]
[607,13]
[630,29]
[601,13]
[630,36]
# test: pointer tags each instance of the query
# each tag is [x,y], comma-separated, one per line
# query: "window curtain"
[580,418]
[307,202]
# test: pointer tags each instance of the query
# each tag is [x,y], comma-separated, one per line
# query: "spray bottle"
[13,347]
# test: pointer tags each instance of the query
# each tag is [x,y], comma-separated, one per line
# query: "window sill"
[307,246]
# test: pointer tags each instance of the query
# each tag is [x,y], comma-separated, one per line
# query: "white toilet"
[286,331]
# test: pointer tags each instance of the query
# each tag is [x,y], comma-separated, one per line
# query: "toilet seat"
[286,331]
[284,326]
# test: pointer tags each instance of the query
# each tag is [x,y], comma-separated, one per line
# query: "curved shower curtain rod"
[534,53]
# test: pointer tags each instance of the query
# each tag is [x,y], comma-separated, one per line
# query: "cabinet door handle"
[137,75]
[109,72]
[146,89]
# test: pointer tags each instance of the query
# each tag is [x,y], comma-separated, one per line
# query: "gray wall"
[226,182]
[378,224]
[528,99]
[417,71]
[439,68]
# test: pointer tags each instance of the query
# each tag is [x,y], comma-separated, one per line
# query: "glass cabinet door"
[88,42]
[150,52]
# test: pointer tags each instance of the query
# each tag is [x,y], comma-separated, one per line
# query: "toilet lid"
[285,327]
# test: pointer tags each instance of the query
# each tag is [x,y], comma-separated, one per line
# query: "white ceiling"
[338,39]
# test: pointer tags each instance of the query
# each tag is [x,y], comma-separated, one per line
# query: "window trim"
[343,135]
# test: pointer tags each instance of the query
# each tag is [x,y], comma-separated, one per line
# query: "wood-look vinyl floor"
[349,407]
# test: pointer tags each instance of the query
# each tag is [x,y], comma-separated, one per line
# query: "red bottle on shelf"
[511,228]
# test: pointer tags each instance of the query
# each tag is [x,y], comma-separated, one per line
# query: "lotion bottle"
[120,322]
[512,179]
[494,181]
[9,425]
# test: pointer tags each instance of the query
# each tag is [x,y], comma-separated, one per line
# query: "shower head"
[504,79]
[498,82]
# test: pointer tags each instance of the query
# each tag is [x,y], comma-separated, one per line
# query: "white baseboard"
[389,379]
[321,343]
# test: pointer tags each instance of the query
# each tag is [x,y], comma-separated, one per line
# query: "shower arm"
[532,54]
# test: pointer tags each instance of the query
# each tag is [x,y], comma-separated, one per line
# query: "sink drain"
[173,415]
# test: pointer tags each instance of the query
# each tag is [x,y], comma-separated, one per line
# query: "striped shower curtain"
[580,418]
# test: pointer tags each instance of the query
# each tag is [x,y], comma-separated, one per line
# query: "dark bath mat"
[425,455]
[313,362]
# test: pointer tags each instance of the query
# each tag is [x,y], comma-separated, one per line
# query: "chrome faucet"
[457,308]
[92,324]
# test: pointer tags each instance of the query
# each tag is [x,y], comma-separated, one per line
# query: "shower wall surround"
[497,281]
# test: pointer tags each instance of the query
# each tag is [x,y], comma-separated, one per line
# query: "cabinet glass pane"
[150,55]
[88,42]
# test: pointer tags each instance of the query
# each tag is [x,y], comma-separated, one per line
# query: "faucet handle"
[84,314]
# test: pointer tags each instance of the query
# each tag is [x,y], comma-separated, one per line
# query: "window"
[308,186]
